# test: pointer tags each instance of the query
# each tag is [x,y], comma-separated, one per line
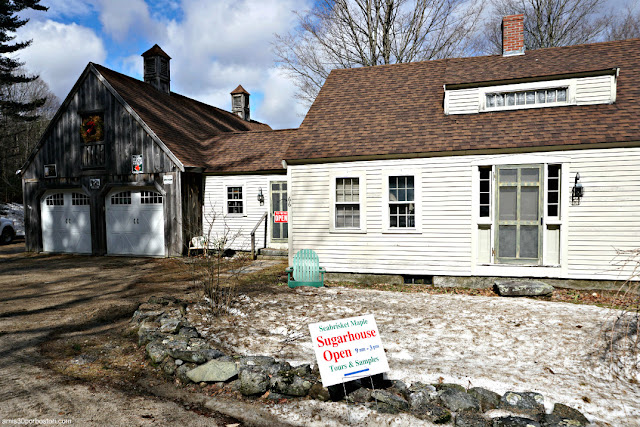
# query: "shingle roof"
[398,109]
[155,50]
[240,89]
[185,125]
[248,151]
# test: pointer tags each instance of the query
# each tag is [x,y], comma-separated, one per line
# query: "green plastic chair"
[306,270]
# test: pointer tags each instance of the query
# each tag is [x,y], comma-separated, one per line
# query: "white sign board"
[167,179]
[347,349]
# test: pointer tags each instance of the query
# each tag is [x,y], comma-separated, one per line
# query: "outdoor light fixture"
[577,191]
[260,197]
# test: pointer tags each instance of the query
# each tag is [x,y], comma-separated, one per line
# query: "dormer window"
[551,96]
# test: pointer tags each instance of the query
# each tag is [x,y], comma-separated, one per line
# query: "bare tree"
[549,23]
[354,33]
[625,25]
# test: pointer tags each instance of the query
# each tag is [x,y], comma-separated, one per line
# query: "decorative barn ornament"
[94,183]
[92,129]
[136,164]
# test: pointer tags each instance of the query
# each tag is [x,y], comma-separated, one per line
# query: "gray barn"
[119,169]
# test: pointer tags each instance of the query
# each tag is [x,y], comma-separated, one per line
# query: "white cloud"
[59,52]
[280,108]
[122,18]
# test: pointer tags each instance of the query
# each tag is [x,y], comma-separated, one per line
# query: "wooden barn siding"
[192,196]
[124,136]
[215,220]
[606,219]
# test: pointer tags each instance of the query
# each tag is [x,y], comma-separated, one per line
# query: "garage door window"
[79,199]
[55,200]
[150,197]
[122,198]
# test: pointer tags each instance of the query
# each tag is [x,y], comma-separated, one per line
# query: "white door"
[135,223]
[66,222]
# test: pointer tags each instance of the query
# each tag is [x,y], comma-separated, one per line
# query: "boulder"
[278,368]
[169,366]
[148,331]
[487,399]
[551,420]
[253,381]
[528,403]
[390,399]
[361,395]
[189,332]
[256,361]
[170,325]
[182,372]
[567,413]
[447,386]
[421,398]
[521,288]
[318,392]
[459,401]
[156,351]
[302,370]
[470,419]
[149,312]
[511,421]
[432,412]
[292,385]
[213,371]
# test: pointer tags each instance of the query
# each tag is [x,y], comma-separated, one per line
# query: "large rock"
[196,350]
[253,381]
[528,403]
[318,392]
[182,372]
[459,401]
[292,385]
[157,351]
[470,419]
[170,325]
[514,422]
[189,332]
[149,331]
[213,371]
[432,412]
[361,395]
[420,399]
[390,399]
[563,413]
[517,288]
[447,386]
[487,399]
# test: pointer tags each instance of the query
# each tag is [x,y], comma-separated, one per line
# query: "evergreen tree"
[9,73]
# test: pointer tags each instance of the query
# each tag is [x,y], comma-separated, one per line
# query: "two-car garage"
[134,222]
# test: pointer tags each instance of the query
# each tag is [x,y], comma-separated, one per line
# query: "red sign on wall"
[281,216]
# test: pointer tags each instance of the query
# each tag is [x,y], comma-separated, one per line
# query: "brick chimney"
[240,103]
[513,35]
[156,68]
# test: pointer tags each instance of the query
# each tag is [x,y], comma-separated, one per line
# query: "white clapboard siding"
[588,90]
[592,233]
[216,223]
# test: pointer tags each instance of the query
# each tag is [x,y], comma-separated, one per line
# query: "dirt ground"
[65,353]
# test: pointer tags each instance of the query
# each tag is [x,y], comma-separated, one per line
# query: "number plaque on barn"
[136,164]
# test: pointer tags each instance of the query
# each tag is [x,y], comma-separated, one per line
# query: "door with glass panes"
[519,214]
[279,230]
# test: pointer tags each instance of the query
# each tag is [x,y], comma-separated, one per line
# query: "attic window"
[164,67]
[237,101]
[530,98]
[150,65]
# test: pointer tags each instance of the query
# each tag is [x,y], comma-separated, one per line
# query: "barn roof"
[397,110]
[185,125]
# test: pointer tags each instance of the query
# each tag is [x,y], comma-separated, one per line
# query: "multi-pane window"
[234,200]
[402,208]
[553,191]
[485,191]
[55,200]
[150,197]
[347,203]
[79,199]
[530,97]
[121,198]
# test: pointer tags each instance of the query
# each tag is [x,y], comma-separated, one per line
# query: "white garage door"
[66,224]
[135,223]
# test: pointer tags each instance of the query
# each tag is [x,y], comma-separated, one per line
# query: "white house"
[525,164]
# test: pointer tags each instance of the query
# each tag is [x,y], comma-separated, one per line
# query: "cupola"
[156,68]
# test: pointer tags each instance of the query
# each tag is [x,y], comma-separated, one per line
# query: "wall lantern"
[577,191]
[260,197]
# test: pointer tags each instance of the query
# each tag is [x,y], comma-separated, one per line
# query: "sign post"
[348,349]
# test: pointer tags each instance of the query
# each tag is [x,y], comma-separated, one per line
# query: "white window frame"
[226,200]
[361,200]
[569,84]
[417,198]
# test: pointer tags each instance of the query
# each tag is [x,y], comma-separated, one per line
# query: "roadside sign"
[280,216]
[347,349]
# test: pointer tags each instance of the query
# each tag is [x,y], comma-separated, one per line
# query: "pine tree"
[9,67]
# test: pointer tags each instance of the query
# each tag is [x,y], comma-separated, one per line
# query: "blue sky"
[214,44]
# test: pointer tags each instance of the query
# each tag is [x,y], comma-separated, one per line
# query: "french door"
[519,214]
